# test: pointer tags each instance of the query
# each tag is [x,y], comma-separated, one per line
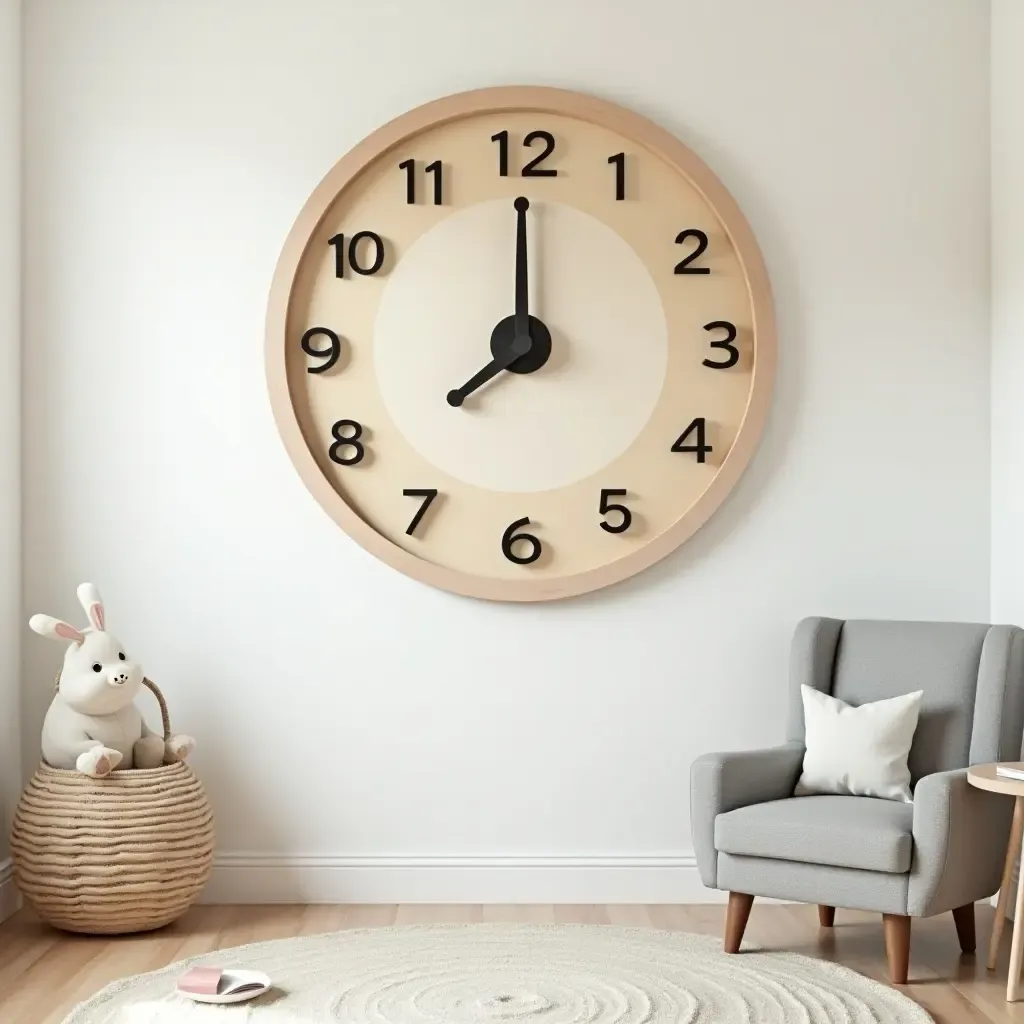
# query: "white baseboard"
[280,878]
[10,898]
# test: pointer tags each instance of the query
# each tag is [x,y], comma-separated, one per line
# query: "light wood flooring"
[43,973]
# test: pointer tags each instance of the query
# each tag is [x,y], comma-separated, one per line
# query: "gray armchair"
[944,851]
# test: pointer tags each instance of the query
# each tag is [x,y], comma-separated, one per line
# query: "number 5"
[607,506]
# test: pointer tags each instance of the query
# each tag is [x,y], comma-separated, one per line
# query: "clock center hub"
[503,343]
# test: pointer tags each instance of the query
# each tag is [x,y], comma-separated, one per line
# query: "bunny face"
[99,678]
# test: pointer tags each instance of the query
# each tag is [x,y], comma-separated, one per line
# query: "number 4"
[700,448]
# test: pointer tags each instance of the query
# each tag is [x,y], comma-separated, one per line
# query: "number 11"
[409,166]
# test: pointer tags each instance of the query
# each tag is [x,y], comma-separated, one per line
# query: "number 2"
[683,266]
[532,169]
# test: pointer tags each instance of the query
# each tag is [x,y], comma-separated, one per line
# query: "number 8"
[349,441]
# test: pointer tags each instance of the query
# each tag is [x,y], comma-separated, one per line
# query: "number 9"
[330,355]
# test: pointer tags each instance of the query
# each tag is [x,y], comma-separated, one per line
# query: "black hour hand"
[519,347]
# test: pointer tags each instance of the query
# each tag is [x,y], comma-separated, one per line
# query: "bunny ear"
[93,605]
[47,625]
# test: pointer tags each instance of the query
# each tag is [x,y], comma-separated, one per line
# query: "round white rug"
[539,974]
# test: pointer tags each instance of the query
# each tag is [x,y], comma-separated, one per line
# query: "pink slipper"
[220,985]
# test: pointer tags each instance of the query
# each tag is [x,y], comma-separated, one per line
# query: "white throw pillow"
[858,751]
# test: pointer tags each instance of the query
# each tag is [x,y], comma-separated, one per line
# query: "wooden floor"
[43,973]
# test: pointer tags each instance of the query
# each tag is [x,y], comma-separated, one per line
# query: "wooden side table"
[983,776]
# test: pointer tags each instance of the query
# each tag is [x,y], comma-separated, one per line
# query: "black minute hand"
[522,312]
[506,351]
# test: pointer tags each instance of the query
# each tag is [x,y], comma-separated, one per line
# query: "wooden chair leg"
[736,920]
[963,917]
[897,946]
[826,916]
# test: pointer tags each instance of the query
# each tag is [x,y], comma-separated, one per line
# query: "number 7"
[428,494]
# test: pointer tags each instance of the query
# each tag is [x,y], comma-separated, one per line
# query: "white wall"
[359,733]
[10,450]
[1007,311]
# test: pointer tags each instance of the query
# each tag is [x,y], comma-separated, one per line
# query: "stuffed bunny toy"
[93,724]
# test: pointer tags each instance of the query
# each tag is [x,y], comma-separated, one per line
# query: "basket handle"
[164,713]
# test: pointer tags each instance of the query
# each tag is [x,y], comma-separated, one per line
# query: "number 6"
[510,537]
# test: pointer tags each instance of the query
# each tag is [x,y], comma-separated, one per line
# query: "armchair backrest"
[972,676]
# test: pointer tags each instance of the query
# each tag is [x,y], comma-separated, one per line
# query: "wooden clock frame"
[582,107]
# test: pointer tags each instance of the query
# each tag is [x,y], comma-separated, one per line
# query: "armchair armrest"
[723,782]
[960,838]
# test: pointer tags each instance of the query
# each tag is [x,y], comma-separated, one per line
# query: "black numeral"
[605,506]
[352,252]
[683,266]
[510,537]
[698,426]
[329,355]
[342,441]
[409,166]
[727,343]
[533,168]
[502,140]
[428,494]
[620,174]
[434,169]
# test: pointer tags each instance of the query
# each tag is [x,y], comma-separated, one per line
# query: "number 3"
[727,343]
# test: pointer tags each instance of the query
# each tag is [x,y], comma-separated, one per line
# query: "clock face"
[520,343]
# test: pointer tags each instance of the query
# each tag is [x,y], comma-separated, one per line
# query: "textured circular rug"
[540,974]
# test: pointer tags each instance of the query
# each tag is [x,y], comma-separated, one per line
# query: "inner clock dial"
[521,432]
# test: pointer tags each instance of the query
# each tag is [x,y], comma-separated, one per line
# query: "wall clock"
[520,343]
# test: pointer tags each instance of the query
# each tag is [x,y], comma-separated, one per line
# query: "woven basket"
[127,853]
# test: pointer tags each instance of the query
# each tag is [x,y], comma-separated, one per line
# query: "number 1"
[502,140]
[619,160]
[435,170]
